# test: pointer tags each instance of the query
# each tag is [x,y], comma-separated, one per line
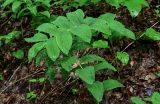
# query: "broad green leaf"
[47,28]
[83,31]
[50,74]
[79,45]
[13,34]
[137,100]
[104,65]
[91,58]
[33,10]
[41,80]
[44,2]
[7,2]
[89,21]
[107,17]
[46,13]
[111,84]
[135,6]
[100,25]
[123,57]
[87,74]
[96,90]
[41,56]
[155,98]
[62,22]
[152,34]
[100,44]
[81,2]
[67,64]
[64,40]
[16,5]
[31,95]
[19,54]
[115,3]
[37,38]
[52,49]
[116,27]
[120,29]
[34,50]
[76,17]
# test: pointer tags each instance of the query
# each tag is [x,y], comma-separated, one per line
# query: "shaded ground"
[139,77]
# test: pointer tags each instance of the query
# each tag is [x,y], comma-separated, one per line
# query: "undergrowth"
[57,38]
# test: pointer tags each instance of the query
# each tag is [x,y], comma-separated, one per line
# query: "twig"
[6,21]
[18,81]
[138,37]
[14,73]
[58,89]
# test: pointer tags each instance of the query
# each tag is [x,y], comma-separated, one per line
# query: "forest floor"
[140,76]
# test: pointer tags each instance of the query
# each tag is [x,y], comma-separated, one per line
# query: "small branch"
[138,37]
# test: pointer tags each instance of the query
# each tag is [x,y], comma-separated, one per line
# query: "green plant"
[9,37]
[123,57]
[62,37]
[134,6]
[39,80]
[1,77]
[155,99]
[25,7]
[157,10]
[67,4]
[137,100]
[19,54]
[152,34]
[31,95]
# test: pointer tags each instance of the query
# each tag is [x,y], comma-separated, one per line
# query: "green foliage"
[25,7]
[57,38]
[100,44]
[111,84]
[72,25]
[116,28]
[19,54]
[152,34]
[1,77]
[64,33]
[50,74]
[34,50]
[39,80]
[154,99]
[123,57]
[137,100]
[157,10]
[31,95]
[97,88]
[52,49]
[10,36]
[75,91]
[134,6]
[102,63]
[68,63]
[87,74]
